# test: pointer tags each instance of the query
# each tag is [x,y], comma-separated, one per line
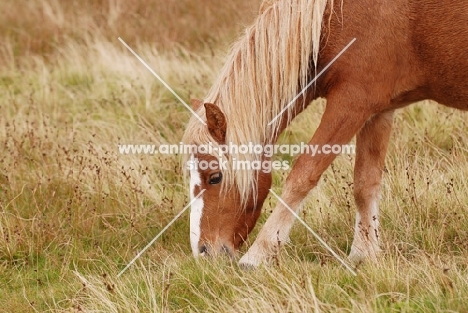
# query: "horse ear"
[196,104]
[216,122]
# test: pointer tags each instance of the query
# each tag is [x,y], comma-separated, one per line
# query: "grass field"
[74,212]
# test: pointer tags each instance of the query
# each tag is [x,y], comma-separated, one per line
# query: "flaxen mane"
[264,71]
[265,5]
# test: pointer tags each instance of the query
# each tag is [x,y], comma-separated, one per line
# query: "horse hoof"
[247,267]
[250,262]
[358,258]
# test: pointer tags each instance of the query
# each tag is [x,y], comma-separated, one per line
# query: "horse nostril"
[203,250]
[207,250]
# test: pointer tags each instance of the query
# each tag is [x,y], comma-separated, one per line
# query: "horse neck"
[296,108]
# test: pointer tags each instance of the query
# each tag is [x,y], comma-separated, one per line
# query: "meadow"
[74,212]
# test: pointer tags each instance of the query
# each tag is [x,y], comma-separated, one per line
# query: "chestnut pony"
[405,51]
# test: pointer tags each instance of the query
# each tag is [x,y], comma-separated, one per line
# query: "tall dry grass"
[73,211]
[42,28]
[69,94]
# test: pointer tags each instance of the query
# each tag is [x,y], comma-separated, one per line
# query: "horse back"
[406,50]
[439,35]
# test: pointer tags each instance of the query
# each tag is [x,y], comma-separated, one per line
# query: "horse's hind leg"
[345,113]
[372,141]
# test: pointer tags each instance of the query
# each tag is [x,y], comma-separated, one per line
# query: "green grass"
[74,212]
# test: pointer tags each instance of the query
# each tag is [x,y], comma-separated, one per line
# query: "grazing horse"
[405,51]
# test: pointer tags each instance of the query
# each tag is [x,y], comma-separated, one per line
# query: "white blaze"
[196,209]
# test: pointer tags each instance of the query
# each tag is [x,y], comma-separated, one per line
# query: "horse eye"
[216,178]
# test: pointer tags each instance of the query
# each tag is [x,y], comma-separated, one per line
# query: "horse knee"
[301,186]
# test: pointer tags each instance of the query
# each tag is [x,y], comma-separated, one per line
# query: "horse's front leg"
[372,141]
[344,116]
